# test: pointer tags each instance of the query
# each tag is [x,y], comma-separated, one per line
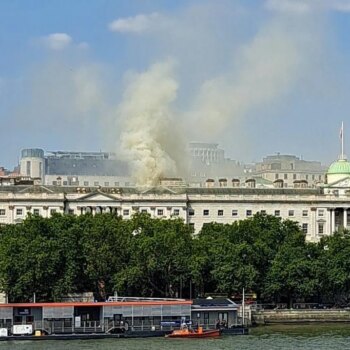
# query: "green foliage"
[146,256]
[291,274]
[160,255]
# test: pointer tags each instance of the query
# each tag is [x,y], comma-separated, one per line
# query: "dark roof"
[165,190]
[213,302]
[258,191]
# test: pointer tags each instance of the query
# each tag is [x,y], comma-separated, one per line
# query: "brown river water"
[315,336]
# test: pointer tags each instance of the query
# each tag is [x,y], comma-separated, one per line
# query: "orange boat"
[190,333]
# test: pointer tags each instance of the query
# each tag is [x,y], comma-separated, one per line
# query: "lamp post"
[243,295]
[243,309]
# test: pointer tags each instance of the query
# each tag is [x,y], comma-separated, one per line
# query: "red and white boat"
[190,333]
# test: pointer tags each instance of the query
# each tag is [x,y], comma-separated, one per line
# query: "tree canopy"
[146,256]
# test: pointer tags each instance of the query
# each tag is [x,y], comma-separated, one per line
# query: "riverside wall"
[265,317]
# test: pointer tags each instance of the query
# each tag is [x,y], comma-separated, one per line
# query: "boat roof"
[92,304]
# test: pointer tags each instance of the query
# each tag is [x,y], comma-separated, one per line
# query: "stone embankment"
[264,317]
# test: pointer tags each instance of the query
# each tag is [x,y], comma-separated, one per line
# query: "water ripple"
[320,337]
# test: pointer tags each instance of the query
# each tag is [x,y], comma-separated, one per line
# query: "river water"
[318,337]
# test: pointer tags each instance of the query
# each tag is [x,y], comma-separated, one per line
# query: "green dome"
[341,167]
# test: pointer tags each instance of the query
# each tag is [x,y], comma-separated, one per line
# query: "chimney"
[235,183]
[210,183]
[223,182]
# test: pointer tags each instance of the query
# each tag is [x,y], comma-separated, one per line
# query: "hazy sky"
[256,76]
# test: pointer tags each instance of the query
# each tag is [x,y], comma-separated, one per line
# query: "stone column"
[333,221]
[313,227]
[329,221]
[12,214]
[345,218]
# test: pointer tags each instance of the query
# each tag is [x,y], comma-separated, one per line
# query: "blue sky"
[256,76]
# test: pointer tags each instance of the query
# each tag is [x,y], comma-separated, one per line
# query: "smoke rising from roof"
[234,71]
[149,127]
[262,71]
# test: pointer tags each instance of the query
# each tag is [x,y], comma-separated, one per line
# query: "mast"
[342,139]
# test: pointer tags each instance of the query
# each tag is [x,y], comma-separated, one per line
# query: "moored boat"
[190,333]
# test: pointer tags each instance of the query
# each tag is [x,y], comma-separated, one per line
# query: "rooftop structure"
[209,161]
[74,168]
[338,170]
[290,169]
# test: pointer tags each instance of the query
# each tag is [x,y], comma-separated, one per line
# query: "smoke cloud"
[234,70]
[149,127]
[305,6]
[263,71]
[260,71]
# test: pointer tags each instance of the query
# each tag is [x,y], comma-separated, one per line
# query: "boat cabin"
[96,317]
[212,313]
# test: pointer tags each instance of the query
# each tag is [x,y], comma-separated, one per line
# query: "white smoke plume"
[237,65]
[263,71]
[307,6]
[259,73]
[149,139]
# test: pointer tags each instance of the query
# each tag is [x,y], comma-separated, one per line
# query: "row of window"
[126,212]
[19,212]
[176,212]
[285,177]
[320,228]
[94,183]
[160,212]
[249,212]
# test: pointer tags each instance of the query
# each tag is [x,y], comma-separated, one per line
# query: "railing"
[116,298]
[295,306]
[90,327]
[52,327]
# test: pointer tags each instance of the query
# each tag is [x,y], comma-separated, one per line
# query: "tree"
[106,248]
[160,256]
[291,274]
[334,266]
[29,260]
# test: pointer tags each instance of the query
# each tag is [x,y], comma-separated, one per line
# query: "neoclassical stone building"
[320,211]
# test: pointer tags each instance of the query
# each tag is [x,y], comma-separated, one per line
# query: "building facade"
[207,160]
[74,168]
[290,169]
[319,211]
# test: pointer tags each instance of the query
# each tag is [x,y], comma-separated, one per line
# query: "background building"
[207,160]
[320,210]
[74,168]
[291,170]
